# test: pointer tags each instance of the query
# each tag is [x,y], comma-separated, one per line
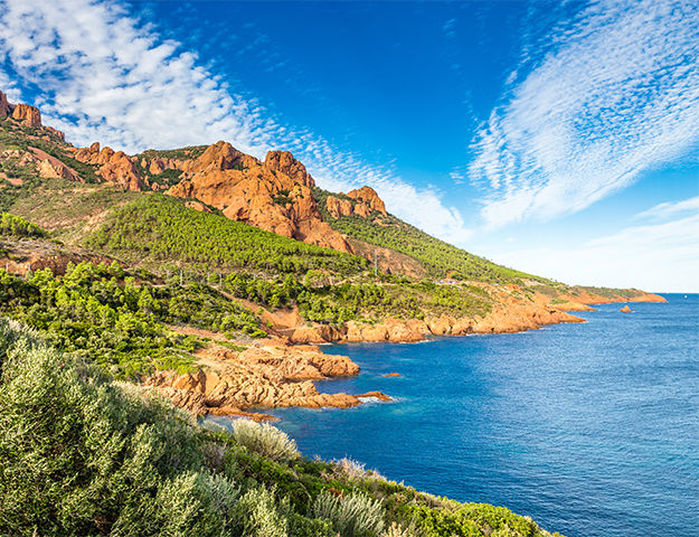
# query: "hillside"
[202,274]
[95,457]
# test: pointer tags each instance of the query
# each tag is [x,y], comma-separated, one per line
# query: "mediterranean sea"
[591,429]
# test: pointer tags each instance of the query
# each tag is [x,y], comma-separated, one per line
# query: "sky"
[560,138]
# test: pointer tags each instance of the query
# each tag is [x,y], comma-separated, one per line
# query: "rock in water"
[626,309]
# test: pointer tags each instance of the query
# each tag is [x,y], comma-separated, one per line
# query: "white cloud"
[104,75]
[655,257]
[615,94]
[668,209]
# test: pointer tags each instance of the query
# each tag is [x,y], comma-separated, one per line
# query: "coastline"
[280,370]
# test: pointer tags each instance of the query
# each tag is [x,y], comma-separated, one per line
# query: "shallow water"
[591,429]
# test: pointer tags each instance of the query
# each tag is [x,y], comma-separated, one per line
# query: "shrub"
[261,516]
[350,468]
[265,440]
[356,515]
[19,227]
[81,456]
[396,530]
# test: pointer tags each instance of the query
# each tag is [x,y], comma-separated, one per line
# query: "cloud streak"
[102,74]
[615,94]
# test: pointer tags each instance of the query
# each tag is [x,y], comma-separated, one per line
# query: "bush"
[265,440]
[396,530]
[81,456]
[261,516]
[350,468]
[356,515]
[19,227]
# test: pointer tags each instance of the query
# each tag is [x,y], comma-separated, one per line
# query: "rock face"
[29,116]
[338,207]
[626,309]
[5,109]
[268,376]
[370,198]
[284,162]
[50,167]
[275,195]
[116,168]
[363,202]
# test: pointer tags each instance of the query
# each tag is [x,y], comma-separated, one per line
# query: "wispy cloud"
[615,94]
[106,75]
[670,209]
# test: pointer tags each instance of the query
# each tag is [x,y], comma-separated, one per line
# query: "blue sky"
[559,138]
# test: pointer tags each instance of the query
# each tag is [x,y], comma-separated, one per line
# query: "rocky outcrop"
[26,115]
[49,166]
[338,207]
[115,167]
[228,382]
[261,194]
[5,109]
[626,309]
[370,199]
[29,116]
[284,162]
[362,202]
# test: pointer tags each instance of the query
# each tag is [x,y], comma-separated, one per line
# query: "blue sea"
[591,429]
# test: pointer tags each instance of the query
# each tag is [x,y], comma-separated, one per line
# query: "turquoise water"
[591,429]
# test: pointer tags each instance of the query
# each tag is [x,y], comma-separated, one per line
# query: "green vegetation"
[15,136]
[354,515]
[183,153]
[159,229]
[441,259]
[321,300]
[84,455]
[17,226]
[265,440]
[102,313]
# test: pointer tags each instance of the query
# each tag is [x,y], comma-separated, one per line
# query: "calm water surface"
[592,429]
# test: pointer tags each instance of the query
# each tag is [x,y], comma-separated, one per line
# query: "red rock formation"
[50,167]
[29,116]
[338,207]
[116,168]
[260,194]
[366,201]
[267,376]
[284,162]
[370,198]
[626,309]
[5,109]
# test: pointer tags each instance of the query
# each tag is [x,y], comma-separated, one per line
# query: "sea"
[591,429]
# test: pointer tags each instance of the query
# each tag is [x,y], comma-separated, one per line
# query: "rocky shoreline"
[279,371]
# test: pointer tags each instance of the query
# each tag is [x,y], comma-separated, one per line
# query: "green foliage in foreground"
[99,312]
[16,226]
[162,229]
[83,455]
[438,257]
